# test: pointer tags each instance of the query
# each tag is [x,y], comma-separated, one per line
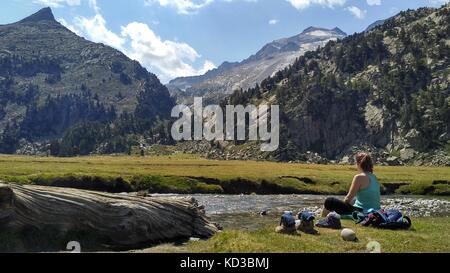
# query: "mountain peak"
[313,29]
[339,31]
[44,14]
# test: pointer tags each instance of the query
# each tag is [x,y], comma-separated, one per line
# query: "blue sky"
[187,37]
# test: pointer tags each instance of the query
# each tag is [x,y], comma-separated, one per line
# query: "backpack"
[287,220]
[385,219]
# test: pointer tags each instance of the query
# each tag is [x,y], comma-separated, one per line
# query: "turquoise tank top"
[369,198]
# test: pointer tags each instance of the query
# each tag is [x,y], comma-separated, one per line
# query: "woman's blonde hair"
[364,161]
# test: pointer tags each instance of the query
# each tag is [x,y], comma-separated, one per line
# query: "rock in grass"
[348,235]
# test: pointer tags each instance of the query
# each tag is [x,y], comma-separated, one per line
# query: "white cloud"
[182,6]
[273,22]
[357,12]
[207,66]
[69,26]
[95,29]
[93,5]
[171,59]
[188,6]
[167,59]
[58,3]
[373,2]
[62,3]
[303,4]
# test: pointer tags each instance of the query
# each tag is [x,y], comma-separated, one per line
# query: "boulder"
[407,154]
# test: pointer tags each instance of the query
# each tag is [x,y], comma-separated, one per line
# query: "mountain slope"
[275,56]
[51,79]
[386,90]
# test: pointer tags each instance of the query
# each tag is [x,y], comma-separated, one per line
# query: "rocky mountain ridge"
[228,77]
[51,80]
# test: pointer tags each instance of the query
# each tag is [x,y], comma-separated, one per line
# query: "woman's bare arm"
[356,185]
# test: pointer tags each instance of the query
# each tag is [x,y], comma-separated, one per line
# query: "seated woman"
[365,188]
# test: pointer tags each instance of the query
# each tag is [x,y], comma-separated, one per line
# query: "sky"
[174,38]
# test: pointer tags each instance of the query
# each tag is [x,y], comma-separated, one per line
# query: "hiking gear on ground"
[306,223]
[359,216]
[370,197]
[387,219]
[284,230]
[287,220]
[306,216]
[333,221]
[339,206]
[306,227]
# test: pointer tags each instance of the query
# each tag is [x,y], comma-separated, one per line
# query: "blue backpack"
[386,219]
[287,220]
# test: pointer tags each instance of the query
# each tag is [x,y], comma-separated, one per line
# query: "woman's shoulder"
[362,177]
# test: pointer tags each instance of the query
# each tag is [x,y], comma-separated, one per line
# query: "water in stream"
[243,211]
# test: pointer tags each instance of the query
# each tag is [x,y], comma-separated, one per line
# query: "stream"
[242,212]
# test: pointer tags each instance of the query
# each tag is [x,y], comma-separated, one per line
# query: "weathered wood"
[121,220]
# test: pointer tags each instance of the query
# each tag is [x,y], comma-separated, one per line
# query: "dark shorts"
[339,206]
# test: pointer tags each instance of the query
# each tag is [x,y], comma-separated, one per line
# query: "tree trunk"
[116,220]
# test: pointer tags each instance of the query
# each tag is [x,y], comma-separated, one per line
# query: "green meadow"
[192,174]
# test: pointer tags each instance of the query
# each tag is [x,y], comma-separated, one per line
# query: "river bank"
[245,230]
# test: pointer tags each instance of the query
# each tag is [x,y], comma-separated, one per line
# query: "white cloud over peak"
[167,59]
[95,29]
[357,12]
[303,4]
[171,59]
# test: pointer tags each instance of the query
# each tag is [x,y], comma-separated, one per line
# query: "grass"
[427,235]
[190,173]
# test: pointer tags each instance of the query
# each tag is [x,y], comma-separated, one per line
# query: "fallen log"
[115,220]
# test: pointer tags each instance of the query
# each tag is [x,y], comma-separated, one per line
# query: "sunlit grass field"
[326,178]
[427,235]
